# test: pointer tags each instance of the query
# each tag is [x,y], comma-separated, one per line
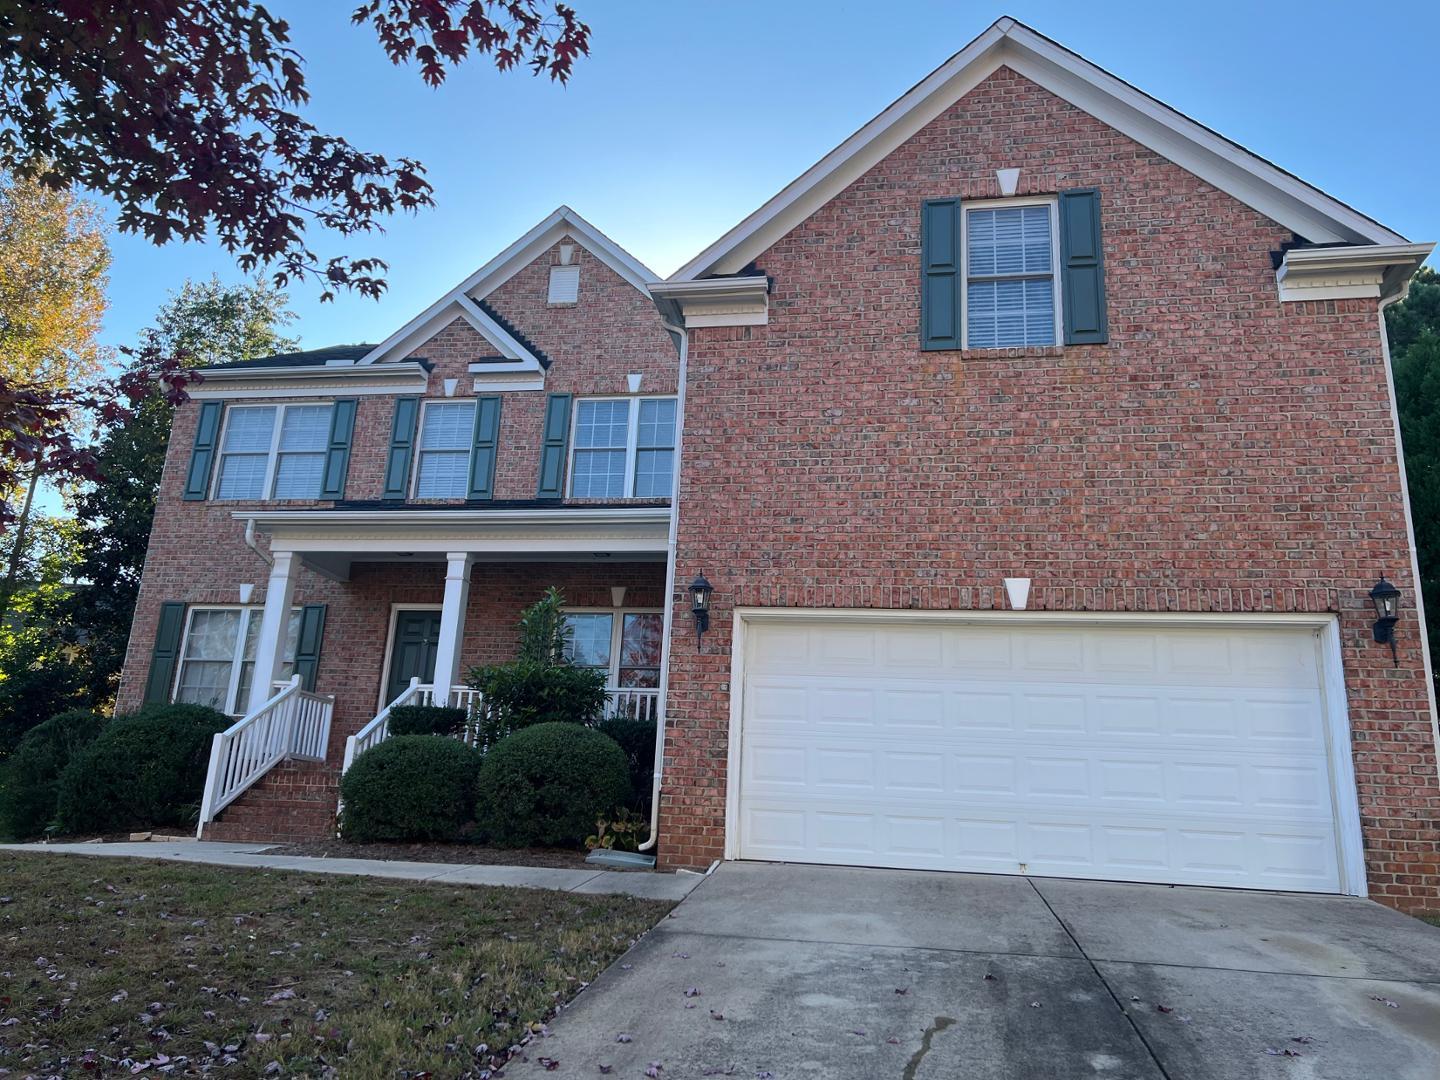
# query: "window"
[447,433]
[625,645]
[273,451]
[1010,276]
[217,657]
[623,447]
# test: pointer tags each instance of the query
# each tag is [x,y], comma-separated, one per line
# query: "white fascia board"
[296,382]
[441,316]
[562,222]
[1368,271]
[724,301]
[1296,205]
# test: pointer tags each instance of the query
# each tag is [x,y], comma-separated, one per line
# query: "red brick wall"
[1224,452]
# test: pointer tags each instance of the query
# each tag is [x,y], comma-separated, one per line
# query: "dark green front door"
[413,654]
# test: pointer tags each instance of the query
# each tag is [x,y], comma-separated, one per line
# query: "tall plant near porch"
[540,685]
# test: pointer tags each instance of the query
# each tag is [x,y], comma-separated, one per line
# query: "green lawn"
[107,963]
[1432,917]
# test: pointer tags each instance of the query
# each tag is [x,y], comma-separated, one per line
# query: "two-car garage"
[1139,748]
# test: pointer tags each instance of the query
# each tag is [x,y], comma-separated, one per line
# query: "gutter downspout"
[250,542]
[682,345]
[1409,518]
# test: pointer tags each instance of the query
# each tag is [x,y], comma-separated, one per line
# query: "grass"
[108,963]
[1432,917]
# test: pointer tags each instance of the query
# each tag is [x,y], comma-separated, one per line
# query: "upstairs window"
[447,432]
[273,452]
[623,448]
[1010,270]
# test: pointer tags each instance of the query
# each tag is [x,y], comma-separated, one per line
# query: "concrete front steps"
[294,802]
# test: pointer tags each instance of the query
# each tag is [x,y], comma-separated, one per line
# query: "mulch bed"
[470,854]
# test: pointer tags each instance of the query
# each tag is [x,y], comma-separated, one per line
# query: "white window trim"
[420,434]
[237,658]
[272,460]
[617,628]
[1001,204]
[632,438]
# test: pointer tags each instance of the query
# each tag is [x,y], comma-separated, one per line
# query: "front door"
[413,652]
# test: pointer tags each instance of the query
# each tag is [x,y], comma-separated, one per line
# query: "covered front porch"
[416,598]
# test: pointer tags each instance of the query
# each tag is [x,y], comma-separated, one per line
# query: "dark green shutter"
[553,446]
[337,451]
[202,456]
[402,448]
[166,654]
[307,649]
[940,299]
[482,457]
[1082,268]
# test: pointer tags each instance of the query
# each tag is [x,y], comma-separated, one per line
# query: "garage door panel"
[1215,772]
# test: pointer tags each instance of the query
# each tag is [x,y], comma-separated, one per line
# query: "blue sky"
[687,116]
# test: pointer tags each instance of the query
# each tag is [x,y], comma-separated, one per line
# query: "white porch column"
[452,624]
[274,622]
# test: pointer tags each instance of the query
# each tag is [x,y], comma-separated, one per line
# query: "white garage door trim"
[1332,689]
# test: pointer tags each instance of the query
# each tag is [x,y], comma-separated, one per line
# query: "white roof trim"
[1256,182]
[1339,273]
[560,224]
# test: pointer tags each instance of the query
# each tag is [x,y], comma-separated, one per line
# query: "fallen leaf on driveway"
[548,1064]
[1164,1009]
[1387,1002]
[653,1070]
[622,1037]
[692,991]
[1035,1005]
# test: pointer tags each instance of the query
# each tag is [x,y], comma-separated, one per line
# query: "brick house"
[1039,446]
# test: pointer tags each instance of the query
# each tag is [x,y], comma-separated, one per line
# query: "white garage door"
[1175,755]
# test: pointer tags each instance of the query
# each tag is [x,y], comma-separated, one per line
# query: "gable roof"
[330,354]
[467,300]
[1258,183]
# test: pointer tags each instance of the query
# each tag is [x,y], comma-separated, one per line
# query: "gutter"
[682,345]
[413,369]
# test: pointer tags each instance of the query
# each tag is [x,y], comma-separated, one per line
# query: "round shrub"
[142,770]
[426,720]
[30,779]
[637,740]
[548,784]
[410,787]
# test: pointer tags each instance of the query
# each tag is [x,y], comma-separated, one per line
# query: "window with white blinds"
[273,452]
[623,448]
[447,433]
[1010,276]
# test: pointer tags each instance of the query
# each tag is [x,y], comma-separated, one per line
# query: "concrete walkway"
[647,885]
[817,972]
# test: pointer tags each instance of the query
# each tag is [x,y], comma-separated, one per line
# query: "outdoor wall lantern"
[700,591]
[1386,598]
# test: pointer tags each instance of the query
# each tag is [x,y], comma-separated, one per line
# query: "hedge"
[143,770]
[30,779]
[548,785]
[637,739]
[426,720]
[410,787]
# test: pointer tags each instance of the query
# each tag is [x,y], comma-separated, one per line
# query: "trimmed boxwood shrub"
[142,770]
[637,740]
[548,784]
[426,720]
[29,781]
[410,787]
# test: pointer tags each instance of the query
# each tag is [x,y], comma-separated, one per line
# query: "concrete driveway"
[784,971]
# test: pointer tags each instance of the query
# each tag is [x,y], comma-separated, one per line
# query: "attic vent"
[564,284]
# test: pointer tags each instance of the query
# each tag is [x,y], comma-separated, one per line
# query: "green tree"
[41,672]
[204,323]
[1414,329]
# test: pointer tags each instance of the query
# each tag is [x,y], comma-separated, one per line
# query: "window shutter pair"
[484,449]
[165,657]
[1082,271]
[207,449]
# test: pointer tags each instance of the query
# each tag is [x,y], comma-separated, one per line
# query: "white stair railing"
[378,729]
[633,703]
[294,723]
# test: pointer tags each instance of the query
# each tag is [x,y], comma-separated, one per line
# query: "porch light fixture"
[1386,598]
[700,591]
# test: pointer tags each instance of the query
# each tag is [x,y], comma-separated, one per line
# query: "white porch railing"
[638,703]
[293,723]
[378,730]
